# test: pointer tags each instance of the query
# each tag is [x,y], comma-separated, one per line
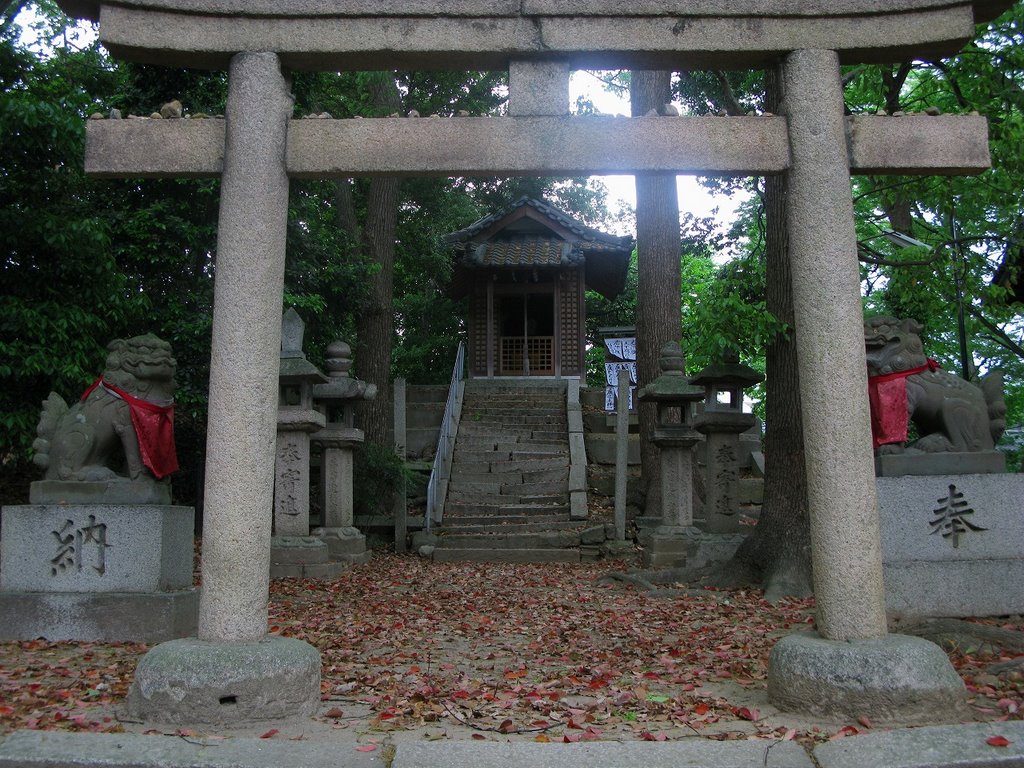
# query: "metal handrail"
[437,488]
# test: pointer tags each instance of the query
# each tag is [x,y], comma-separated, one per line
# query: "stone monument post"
[234,671]
[675,437]
[337,396]
[293,551]
[621,453]
[721,423]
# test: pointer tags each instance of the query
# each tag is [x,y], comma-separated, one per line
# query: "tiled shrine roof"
[533,234]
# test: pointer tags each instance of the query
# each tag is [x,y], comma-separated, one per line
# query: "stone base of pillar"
[893,679]
[226,683]
[345,545]
[304,557]
[666,546]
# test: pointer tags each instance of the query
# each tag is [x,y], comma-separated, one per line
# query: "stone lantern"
[337,398]
[293,551]
[675,437]
[722,422]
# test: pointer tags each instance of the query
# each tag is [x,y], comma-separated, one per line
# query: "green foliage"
[377,476]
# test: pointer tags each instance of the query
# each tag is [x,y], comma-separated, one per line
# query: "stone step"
[527,466]
[560,475]
[497,539]
[488,555]
[475,418]
[490,408]
[453,527]
[507,466]
[509,444]
[524,390]
[560,436]
[464,508]
[536,489]
[504,518]
[487,481]
[506,500]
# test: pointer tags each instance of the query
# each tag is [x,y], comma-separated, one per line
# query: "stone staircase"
[508,497]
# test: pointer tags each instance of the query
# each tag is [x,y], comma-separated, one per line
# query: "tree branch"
[732,106]
[1001,337]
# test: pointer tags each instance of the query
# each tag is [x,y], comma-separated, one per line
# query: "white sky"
[693,198]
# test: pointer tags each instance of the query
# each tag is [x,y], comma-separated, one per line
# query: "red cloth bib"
[887,395]
[154,429]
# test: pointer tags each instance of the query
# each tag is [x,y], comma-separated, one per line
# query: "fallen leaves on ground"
[500,649]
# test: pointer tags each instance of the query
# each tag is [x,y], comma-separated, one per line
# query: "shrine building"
[526,270]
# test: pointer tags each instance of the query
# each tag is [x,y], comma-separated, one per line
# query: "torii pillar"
[851,665]
[234,670]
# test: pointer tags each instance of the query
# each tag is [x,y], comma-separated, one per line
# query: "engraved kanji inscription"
[65,557]
[951,516]
[78,547]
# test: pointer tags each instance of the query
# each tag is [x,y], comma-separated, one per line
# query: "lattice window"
[540,350]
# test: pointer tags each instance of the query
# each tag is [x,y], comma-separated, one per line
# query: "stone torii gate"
[233,671]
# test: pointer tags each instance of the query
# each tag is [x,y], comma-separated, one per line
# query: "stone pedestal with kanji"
[117,572]
[336,398]
[675,437]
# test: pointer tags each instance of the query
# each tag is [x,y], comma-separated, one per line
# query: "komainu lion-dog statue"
[950,414]
[123,426]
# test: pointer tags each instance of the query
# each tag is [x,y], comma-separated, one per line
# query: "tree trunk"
[375,324]
[658,283]
[777,554]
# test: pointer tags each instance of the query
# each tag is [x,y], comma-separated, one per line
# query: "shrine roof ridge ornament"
[487,34]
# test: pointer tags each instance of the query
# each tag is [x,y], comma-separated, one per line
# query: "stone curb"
[951,746]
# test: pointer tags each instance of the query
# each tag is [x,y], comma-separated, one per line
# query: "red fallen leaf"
[507,726]
[334,712]
[571,738]
[846,730]
[479,736]
[366,748]
[701,709]
[573,724]
[269,734]
[748,714]
[648,736]
[997,741]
